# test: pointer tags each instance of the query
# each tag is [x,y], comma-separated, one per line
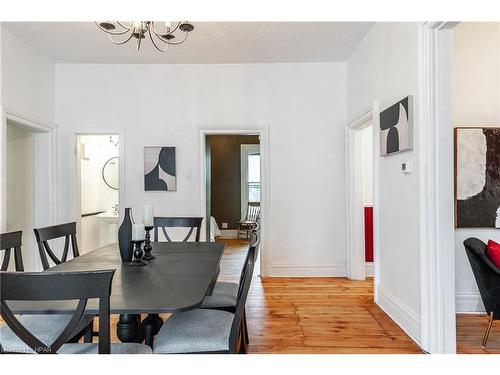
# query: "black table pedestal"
[127,328]
[150,327]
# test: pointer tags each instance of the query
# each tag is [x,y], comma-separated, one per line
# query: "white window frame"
[246,150]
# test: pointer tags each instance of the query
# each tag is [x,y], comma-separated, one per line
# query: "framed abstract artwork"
[159,169]
[396,127]
[477,177]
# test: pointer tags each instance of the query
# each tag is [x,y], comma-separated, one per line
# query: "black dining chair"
[205,330]
[487,277]
[8,242]
[59,286]
[43,235]
[224,295]
[44,326]
[193,223]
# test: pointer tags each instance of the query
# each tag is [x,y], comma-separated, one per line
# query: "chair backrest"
[9,241]
[178,222]
[57,286]
[235,334]
[253,211]
[43,235]
[487,275]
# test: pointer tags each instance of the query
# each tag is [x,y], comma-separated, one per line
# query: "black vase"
[125,236]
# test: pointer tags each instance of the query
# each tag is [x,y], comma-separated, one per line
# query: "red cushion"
[493,252]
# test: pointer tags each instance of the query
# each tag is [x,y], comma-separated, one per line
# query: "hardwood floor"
[329,315]
[314,315]
[470,330]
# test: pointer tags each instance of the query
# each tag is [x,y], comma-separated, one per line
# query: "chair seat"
[125,348]
[44,327]
[195,331]
[224,295]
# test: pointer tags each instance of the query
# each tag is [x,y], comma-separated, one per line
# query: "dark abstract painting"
[396,127]
[159,169]
[477,177]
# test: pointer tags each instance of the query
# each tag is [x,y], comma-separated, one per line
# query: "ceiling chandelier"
[161,33]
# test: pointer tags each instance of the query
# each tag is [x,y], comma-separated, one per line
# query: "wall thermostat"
[406,167]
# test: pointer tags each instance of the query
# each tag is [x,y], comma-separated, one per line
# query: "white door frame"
[246,150]
[355,203]
[74,133]
[262,130]
[45,138]
[436,188]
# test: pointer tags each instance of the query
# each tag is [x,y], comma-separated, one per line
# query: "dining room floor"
[328,315]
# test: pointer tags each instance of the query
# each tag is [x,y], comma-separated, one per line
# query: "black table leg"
[127,328]
[150,326]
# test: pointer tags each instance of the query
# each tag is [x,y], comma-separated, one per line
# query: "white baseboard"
[369,269]
[228,234]
[406,318]
[307,270]
[469,303]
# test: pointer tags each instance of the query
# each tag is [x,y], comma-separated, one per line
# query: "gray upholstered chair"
[487,277]
[224,295]
[205,330]
[59,286]
[45,327]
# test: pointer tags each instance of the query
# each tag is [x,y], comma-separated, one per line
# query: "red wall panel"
[368,234]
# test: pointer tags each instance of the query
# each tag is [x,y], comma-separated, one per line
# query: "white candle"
[147,215]
[137,232]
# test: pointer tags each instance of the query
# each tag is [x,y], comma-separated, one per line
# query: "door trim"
[354,197]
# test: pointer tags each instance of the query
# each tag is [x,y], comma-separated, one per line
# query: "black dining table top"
[182,274]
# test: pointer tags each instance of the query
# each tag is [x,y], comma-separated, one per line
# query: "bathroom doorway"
[97,171]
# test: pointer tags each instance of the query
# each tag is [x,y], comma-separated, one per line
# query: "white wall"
[27,80]
[27,91]
[476,102]
[304,105]
[384,68]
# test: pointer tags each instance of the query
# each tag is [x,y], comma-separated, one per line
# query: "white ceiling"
[210,42]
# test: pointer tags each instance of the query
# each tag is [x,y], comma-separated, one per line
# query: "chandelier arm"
[169,33]
[112,32]
[120,42]
[126,27]
[154,43]
[176,43]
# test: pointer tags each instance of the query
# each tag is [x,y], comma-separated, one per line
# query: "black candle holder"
[147,245]
[138,254]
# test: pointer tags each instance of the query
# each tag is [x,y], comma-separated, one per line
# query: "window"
[253,182]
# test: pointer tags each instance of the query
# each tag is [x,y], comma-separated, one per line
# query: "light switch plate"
[224,225]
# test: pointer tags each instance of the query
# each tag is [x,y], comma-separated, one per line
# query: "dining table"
[177,280]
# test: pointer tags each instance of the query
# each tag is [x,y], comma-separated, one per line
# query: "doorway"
[205,158]
[97,198]
[233,179]
[28,193]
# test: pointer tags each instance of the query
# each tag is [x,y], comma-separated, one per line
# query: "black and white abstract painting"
[477,177]
[159,169]
[396,127]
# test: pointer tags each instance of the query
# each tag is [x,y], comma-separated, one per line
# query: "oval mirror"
[110,173]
